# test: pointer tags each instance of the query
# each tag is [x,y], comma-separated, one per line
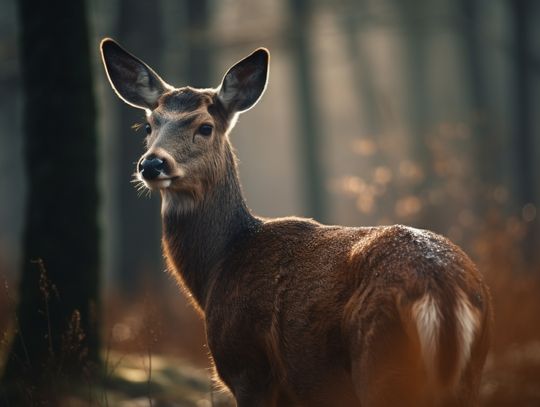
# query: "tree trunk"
[525,179]
[198,64]
[308,123]
[355,25]
[485,151]
[416,33]
[139,231]
[57,336]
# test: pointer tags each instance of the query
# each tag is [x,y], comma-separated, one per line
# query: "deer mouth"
[161,180]
[160,183]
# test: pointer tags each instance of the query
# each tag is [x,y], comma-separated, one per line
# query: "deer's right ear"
[244,83]
[134,81]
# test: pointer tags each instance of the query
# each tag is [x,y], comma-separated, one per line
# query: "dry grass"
[159,318]
[512,374]
[154,345]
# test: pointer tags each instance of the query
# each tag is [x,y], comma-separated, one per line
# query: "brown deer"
[298,313]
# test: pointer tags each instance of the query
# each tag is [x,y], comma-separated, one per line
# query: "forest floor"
[180,373]
[156,355]
[513,378]
[136,380]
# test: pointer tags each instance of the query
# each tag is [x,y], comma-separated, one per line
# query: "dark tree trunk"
[522,115]
[139,230]
[485,151]
[525,177]
[198,64]
[416,33]
[308,118]
[57,336]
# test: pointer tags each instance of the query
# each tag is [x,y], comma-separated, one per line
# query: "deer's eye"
[205,130]
[148,128]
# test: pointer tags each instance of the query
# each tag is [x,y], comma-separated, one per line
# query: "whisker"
[141,188]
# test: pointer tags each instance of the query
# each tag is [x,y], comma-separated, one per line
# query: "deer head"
[187,129]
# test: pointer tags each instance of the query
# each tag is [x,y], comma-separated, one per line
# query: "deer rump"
[349,316]
[298,313]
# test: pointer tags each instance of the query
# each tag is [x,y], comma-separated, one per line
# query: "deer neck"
[196,241]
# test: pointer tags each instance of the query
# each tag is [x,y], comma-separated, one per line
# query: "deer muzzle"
[151,167]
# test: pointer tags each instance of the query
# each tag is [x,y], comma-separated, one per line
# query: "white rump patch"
[467,325]
[427,315]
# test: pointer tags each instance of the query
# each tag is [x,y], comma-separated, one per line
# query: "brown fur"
[298,313]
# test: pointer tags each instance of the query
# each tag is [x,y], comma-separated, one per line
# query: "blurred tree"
[415,25]
[485,151]
[308,120]
[356,19]
[57,330]
[198,72]
[520,10]
[139,232]
[138,219]
[526,183]
[11,175]
[414,16]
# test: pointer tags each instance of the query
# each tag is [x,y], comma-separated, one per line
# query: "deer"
[298,313]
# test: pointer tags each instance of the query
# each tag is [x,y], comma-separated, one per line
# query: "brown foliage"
[161,321]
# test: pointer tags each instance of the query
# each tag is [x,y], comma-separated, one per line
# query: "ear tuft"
[134,81]
[245,82]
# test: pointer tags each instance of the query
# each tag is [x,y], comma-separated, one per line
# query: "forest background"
[377,112]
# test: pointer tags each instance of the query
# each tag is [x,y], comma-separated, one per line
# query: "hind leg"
[467,391]
[387,369]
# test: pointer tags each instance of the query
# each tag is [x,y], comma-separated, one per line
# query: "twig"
[149,383]
[18,326]
[105,395]
[44,288]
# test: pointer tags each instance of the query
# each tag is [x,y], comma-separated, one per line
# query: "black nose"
[151,167]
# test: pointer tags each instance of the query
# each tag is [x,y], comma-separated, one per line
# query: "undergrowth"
[156,332]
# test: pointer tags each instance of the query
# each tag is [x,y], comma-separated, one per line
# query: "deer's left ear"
[244,83]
